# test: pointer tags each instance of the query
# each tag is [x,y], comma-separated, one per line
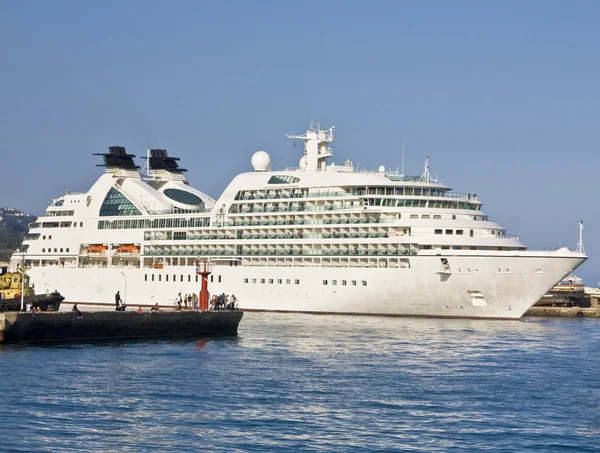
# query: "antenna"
[580,248]
[402,157]
[148,162]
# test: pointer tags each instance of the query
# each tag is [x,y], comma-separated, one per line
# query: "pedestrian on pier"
[118,301]
[76,310]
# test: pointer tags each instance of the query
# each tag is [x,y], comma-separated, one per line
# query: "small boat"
[45,302]
[10,294]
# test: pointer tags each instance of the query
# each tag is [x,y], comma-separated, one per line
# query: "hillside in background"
[13,226]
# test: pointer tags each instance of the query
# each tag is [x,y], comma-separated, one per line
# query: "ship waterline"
[320,238]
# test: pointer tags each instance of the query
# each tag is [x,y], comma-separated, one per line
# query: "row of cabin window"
[344,283]
[288,281]
[59,224]
[439,216]
[55,250]
[458,232]
[194,222]
[189,278]
[59,213]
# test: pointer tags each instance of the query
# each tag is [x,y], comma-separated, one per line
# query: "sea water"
[291,382]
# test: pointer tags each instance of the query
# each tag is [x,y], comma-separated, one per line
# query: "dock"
[17,327]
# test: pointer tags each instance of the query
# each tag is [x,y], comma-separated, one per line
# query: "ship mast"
[316,151]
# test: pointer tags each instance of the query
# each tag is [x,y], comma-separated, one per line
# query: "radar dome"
[381,169]
[261,161]
[302,163]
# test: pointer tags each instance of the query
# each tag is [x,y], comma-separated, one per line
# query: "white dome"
[381,169]
[261,161]
[302,163]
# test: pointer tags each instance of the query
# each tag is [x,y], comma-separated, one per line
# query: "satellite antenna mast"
[580,248]
[402,157]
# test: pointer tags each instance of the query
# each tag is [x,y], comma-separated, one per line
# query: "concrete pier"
[44,327]
[567,312]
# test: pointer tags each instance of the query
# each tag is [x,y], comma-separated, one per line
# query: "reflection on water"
[316,383]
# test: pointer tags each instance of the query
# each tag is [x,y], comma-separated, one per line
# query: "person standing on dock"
[117,301]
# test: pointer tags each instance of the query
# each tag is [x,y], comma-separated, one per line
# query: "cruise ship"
[320,238]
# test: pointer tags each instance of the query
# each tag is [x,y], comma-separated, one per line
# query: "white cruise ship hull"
[497,287]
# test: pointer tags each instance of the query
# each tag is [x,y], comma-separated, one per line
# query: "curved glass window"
[283,179]
[116,204]
[182,196]
[59,203]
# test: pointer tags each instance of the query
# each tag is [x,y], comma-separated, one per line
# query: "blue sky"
[503,97]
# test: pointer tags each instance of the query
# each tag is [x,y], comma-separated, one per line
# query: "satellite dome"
[381,169]
[261,161]
[302,163]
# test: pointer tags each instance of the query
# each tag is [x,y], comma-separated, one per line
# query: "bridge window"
[282,179]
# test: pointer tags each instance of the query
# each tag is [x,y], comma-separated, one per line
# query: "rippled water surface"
[314,383]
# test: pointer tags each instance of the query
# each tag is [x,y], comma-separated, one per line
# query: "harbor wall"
[566,312]
[43,327]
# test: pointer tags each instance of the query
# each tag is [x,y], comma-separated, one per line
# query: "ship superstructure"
[319,238]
